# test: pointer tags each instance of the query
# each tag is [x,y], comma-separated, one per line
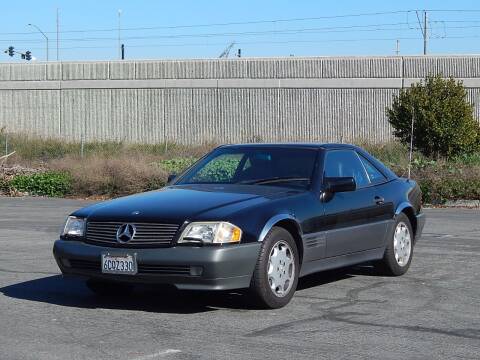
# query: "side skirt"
[341,261]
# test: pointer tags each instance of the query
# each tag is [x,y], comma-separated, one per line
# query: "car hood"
[176,204]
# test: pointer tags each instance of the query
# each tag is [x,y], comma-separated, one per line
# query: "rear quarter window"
[375,176]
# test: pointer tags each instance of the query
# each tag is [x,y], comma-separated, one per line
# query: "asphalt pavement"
[431,312]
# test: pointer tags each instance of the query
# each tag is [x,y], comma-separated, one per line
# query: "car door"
[384,197]
[352,219]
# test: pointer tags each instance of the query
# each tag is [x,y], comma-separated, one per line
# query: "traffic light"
[11,50]
[28,55]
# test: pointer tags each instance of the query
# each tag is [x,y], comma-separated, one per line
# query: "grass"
[36,149]
[105,169]
[110,169]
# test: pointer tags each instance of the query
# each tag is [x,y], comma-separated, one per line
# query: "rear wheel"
[399,251]
[275,277]
[107,288]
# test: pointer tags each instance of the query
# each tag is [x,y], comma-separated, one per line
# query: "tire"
[272,288]
[397,259]
[107,288]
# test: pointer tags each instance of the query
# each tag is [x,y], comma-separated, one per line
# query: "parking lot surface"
[431,312]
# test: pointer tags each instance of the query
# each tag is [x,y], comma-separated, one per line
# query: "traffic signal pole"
[11,52]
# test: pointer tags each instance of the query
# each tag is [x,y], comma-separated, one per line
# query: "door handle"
[379,200]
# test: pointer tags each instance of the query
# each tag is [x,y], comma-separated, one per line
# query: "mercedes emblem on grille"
[126,232]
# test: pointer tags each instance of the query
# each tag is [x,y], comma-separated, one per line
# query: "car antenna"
[410,152]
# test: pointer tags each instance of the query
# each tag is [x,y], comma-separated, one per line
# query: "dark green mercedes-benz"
[253,216]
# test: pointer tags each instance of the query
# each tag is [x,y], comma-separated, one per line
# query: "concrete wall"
[232,100]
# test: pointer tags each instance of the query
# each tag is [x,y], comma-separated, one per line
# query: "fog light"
[196,270]
[65,262]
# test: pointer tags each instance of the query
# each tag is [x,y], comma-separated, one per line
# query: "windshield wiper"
[274,180]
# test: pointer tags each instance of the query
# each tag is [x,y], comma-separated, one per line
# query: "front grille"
[146,235]
[164,269]
[142,268]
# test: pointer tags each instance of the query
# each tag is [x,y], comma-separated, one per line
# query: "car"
[249,216]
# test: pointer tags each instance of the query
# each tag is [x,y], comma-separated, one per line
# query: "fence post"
[82,144]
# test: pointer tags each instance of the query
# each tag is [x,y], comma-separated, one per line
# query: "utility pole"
[397,49]
[424,29]
[58,27]
[425,32]
[119,37]
[410,151]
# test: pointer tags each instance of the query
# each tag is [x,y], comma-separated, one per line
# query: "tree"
[444,124]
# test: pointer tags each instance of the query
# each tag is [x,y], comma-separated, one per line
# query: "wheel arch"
[408,210]
[289,223]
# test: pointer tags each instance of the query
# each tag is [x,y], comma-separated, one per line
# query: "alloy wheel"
[281,268]
[402,244]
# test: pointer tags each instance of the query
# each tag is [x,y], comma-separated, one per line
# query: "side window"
[376,177]
[345,163]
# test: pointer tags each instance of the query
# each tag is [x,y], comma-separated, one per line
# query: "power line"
[240,43]
[375,27]
[452,10]
[253,22]
[267,42]
[338,29]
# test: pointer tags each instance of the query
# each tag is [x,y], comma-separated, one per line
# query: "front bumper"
[193,268]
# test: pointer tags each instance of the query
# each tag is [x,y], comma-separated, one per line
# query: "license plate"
[119,264]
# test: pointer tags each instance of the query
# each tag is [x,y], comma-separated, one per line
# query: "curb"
[468,204]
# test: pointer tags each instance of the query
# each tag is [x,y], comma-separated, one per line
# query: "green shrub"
[444,124]
[55,184]
[468,159]
[439,191]
[220,169]
[177,165]
[4,186]
[217,170]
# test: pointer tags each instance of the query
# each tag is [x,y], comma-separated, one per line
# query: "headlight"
[74,227]
[211,232]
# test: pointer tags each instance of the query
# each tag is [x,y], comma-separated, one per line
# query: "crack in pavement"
[350,299]
[462,333]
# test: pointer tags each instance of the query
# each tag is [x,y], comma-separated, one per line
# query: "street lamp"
[119,36]
[41,32]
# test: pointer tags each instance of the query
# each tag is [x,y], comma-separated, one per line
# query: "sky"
[88,30]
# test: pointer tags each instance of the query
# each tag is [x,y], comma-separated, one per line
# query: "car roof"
[296,145]
[324,146]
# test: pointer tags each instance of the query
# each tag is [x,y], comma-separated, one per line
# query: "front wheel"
[275,278]
[399,251]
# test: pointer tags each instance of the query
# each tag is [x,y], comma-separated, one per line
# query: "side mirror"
[171,177]
[340,184]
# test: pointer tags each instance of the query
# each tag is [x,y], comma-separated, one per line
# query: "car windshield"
[291,167]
